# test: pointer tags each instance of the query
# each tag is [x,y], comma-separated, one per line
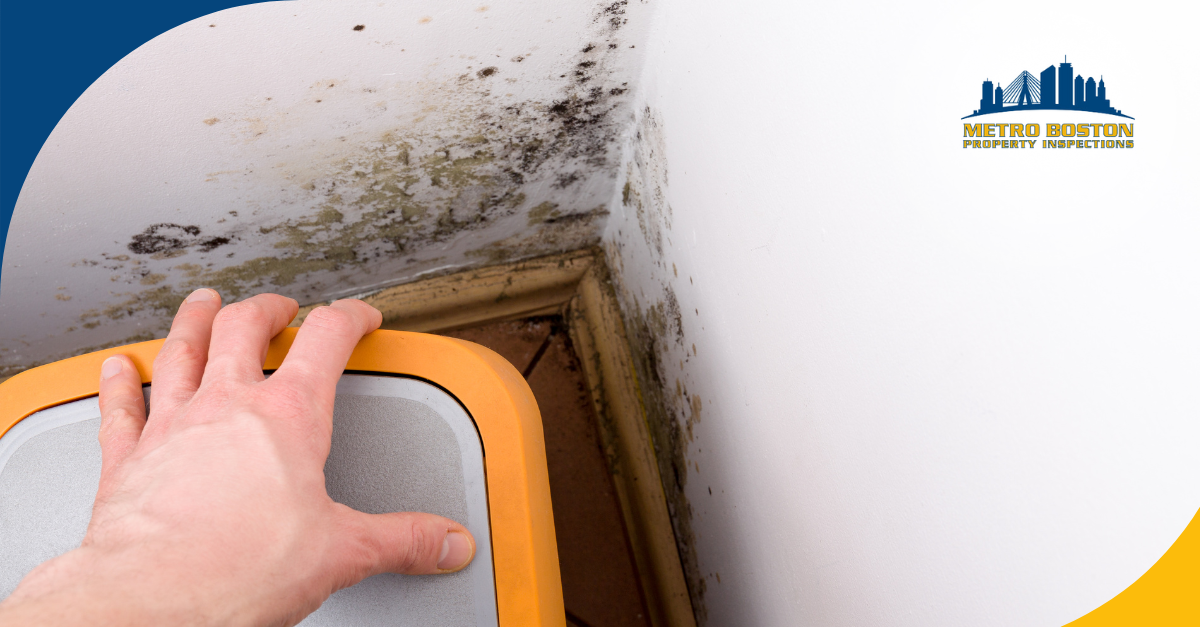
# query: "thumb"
[407,543]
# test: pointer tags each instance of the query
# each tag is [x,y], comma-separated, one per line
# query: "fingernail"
[456,551]
[111,366]
[201,295]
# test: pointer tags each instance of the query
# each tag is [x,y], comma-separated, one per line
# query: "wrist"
[91,586]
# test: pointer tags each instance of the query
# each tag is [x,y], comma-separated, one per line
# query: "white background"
[941,386]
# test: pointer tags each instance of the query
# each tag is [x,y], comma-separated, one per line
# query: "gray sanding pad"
[398,445]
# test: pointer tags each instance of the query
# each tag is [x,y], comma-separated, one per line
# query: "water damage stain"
[503,170]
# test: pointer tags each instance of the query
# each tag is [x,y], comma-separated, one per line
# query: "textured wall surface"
[318,149]
[900,383]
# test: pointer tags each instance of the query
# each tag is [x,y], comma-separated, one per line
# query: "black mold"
[566,179]
[209,244]
[360,27]
[615,13]
[163,237]
[172,239]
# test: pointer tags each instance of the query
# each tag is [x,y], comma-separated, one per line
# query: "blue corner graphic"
[1028,92]
[50,52]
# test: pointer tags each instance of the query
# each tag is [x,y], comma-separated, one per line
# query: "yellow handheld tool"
[421,423]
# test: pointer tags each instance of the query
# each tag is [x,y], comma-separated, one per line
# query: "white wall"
[288,152]
[939,386]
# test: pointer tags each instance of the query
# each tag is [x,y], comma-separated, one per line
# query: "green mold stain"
[386,200]
[406,191]
[543,212]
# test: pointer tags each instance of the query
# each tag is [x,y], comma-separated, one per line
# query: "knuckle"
[244,312]
[175,352]
[192,314]
[114,422]
[290,400]
[360,309]
[329,318]
[418,551]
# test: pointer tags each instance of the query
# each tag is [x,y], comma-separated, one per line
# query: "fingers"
[241,333]
[323,346]
[406,543]
[180,363]
[122,412]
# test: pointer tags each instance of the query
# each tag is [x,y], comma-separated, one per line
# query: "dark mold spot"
[360,27]
[209,244]
[587,64]
[566,179]
[615,14]
[517,59]
[612,46]
[487,71]
[163,237]
[166,240]
[590,47]
[617,91]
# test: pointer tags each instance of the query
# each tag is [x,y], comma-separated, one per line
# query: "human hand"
[214,510]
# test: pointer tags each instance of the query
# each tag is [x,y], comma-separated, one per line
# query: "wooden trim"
[599,336]
[574,285]
[516,290]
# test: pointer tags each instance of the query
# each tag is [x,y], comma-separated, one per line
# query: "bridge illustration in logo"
[1028,92]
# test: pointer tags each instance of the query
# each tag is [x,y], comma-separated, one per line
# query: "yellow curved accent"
[1167,595]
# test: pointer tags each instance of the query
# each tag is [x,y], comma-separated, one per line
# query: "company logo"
[1055,89]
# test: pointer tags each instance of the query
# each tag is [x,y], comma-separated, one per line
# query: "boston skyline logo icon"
[1053,89]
